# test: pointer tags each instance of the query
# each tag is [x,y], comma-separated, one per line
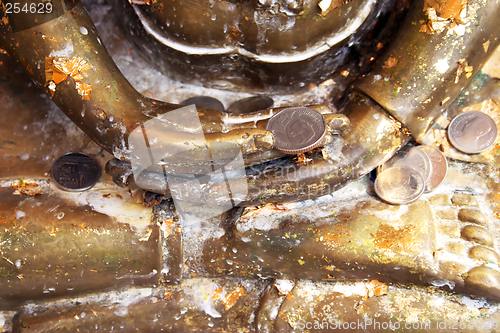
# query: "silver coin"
[399,185]
[76,171]
[439,166]
[472,132]
[297,130]
[414,159]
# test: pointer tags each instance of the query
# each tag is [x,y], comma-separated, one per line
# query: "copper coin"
[415,159]
[76,171]
[439,166]
[297,130]
[250,104]
[399,185]
[204,101]
[472,132]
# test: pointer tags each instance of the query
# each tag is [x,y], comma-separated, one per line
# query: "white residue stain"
[2,321]
[113,201]
[84,31]
[442,66]
[200,294]
[284,286]
[388,214]
[66,52]
[473,304]
[20,214]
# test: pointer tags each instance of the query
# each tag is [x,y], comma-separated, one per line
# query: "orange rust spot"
[396,239]
[234,33]
[339,238]
[23,188]
[217,293]
[168,295]
[391,62]
[231,298]
[289,296]
[169,225]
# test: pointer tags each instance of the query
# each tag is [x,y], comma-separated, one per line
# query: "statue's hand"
[192,141]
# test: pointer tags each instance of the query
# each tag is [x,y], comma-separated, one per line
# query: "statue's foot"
[446,239]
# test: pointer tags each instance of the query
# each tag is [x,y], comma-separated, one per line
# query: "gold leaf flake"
[391,62]
[376,288]
[463,66]
[447,9]
[328,5]
[486,46]
[84,90]
[58,69]
[231,298]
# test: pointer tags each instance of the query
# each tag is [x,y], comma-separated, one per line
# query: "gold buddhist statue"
[273,241]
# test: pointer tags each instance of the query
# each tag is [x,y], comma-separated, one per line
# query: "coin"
[297,130]
[439,166]
[76,171]
[472,132]
[399,185]
[250,104]
[415,159]
[204,101]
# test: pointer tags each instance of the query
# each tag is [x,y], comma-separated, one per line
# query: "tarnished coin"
[76,171]
[439,166]
[297,129]
[399,186]
[472,132]
[205,101]
[250,104]
[415,159]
